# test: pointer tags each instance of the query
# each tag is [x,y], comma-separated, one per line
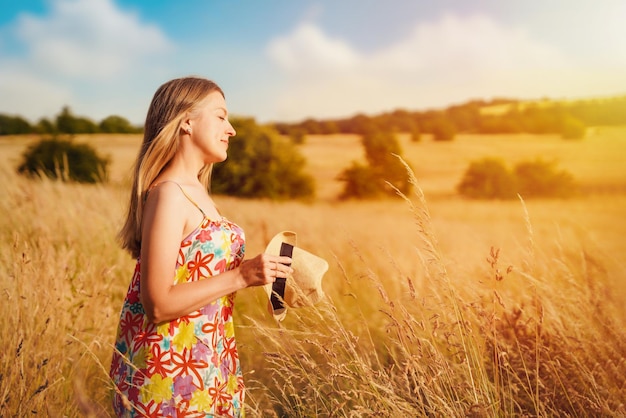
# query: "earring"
[188,131]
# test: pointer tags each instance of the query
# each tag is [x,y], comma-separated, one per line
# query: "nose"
[231,131]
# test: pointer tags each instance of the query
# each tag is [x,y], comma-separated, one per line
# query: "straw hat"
[301,288]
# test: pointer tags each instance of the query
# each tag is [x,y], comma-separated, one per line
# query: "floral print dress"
[188,367]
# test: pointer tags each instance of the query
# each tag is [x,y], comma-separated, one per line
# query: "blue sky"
[287,60]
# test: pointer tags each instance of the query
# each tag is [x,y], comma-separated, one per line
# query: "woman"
[175,348]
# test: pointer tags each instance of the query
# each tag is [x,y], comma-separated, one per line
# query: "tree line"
[568,119]
[66,123]
[498,116]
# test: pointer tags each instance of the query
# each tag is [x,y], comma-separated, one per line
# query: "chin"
[215,158]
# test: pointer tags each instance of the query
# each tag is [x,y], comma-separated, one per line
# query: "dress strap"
[184,193]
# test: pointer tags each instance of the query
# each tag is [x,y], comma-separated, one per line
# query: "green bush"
[262,164]
[360,182]
[65,160]
[540,178]
[489,178]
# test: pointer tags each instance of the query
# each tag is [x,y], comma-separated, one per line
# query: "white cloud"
[90,39]
[449,60]
[308,49]
[87,54]
[473,43]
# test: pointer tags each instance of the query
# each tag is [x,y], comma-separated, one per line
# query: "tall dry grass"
[438,308]
[541,338]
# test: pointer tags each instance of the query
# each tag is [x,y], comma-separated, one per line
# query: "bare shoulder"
[167,208]
[165,192]
[165,198]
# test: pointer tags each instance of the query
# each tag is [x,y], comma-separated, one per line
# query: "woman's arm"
[162,231]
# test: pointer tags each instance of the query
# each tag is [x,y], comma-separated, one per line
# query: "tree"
[67,123]
[261,164]
[14,125]
[384,167]
[65,160]
[117,124]
[45,126]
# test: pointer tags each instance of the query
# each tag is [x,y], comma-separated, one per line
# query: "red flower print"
[145,338]
[224,410]
[199,266]
[129,325]
[183,320]
[211,328]
[204,236]
[180,261]
[185,364]
[182,411]
[158,361]
[133,391]
[230,352]
[227,312]
[149,410]
[220,267]
[220,396]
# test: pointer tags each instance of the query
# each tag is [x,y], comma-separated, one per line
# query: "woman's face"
[210,128]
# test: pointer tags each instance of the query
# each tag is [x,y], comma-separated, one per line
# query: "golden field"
[436,305]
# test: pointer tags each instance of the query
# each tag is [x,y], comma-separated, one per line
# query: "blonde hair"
[171,104]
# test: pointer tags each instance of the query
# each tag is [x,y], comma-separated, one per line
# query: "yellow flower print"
[163,328]
[186,337]
[232,384]
[229,329]
[201,400]
[182,274]
[158,389]
[139,359]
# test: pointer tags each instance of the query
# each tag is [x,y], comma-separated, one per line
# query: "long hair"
[171,104]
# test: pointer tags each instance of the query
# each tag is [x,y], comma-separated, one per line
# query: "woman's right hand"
[264,269]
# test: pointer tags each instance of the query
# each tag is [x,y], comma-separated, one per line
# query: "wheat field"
[436,305]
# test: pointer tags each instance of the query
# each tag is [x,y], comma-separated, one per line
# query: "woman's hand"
[264,269]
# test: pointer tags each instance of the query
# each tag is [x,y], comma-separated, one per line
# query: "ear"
[185,125]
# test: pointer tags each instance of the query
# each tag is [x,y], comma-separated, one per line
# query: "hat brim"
[304,286]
